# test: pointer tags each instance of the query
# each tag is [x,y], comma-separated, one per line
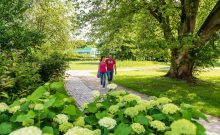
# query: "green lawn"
[93,65]
[205,95]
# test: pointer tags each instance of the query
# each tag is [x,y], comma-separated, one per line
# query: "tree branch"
[188,16]
[211,24]
[162,19]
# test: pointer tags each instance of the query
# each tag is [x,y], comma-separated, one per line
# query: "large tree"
[188,28]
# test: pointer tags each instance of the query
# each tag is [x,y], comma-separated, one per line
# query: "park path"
[80,83]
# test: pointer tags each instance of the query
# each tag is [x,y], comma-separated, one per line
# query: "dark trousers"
[103,78]
[110,75]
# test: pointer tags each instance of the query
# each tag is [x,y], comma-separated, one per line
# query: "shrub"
[50,111]
[52,67]
[44,108]
[18,77]
[133,115]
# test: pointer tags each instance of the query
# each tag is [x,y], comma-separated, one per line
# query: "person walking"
[111,67]
[102,71]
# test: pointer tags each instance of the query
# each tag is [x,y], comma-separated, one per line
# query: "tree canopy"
[187,31]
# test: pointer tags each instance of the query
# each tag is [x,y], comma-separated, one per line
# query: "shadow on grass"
[204,95]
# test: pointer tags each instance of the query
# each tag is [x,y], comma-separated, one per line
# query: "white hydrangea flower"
[61,118]
[151,104]
[117,93]
[85,105]
[131,111]
[79,131]
[32,130]
[79,122]
[138,128]
[65,126]
[113,109]
[3,107]
[112,86]
[184,127]
[97,132]
[23,100]
[107,122]
[31,106]
[160,126]
[142,105]
[95,93]
[131,97]
[170,108]
[38,107]
[149,117]
[13,109]
[163,100]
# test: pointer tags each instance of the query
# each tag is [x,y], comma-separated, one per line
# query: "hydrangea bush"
[120,113]
[48,110]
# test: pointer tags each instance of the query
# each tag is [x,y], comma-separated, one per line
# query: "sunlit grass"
[205,94]
[93,65]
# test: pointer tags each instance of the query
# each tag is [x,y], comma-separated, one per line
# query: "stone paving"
[80,83]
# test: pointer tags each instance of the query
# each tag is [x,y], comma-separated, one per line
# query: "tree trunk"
[181,66]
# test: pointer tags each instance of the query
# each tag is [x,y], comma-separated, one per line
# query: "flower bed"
[48,111]
[120,113]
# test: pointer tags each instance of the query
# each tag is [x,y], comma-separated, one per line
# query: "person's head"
[102,58]
[110,56]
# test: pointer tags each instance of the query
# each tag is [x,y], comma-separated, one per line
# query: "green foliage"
[5,128]
[15,74]
[141,111]
[39,109]
[153,30]
[107,114]
[122,129]
[53,67]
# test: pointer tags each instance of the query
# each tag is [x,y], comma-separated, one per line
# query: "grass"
[205,95]
[93,65]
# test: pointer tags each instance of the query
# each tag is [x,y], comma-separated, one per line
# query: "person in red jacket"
[111,67]
[102,71]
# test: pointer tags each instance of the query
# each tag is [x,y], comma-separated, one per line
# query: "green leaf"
[91,120]
[38,93]
[25,107]
[92,107]
[159,116]
[57,86]
[142,120]
[200,130]
[100,115]
[122,129]
[59,99]
[23,117]
[31,114]
[186,114]
[50,102]
[70,110]
[4,117]
[5,128]
[48,129]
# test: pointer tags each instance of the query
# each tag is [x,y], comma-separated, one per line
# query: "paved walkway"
[80,83]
